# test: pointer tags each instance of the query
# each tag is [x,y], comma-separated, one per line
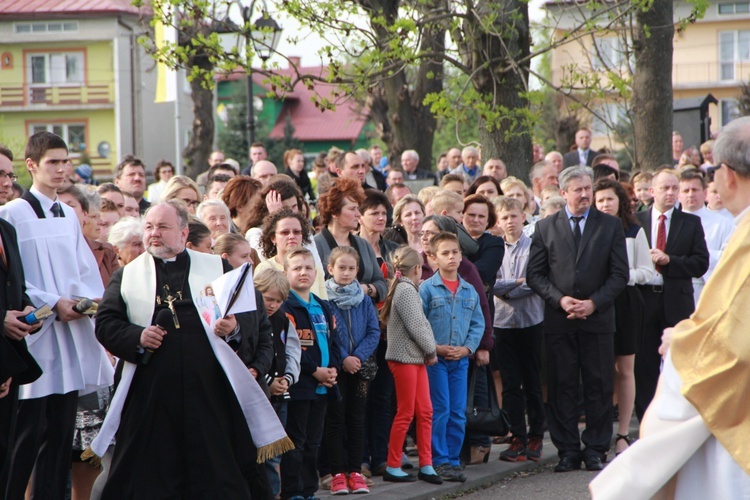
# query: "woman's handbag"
[369,369]
[492,421]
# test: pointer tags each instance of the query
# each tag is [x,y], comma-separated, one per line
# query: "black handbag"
[492,421]
[369,369]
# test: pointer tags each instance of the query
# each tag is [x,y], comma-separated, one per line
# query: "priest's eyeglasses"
[6,175]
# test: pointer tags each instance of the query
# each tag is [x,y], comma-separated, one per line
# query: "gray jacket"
[410,337]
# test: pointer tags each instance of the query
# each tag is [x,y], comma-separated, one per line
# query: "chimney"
[294,61]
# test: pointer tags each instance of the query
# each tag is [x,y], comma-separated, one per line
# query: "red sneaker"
[338,485]
[357,483]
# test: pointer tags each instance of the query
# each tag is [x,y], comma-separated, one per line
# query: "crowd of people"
[386,296]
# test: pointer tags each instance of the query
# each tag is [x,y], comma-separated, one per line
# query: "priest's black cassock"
[183,433]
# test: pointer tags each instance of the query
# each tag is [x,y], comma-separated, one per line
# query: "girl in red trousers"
[411,345]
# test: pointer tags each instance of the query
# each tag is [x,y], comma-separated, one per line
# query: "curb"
[477,477]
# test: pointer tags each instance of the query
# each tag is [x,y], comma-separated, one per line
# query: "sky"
[309,44]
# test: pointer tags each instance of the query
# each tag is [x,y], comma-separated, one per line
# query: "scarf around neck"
[345,297]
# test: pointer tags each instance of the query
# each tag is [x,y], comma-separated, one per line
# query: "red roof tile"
[310,124]
[67,8]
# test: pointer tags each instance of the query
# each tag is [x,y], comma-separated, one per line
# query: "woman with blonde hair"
[408,215]
[180,187]
[513,187]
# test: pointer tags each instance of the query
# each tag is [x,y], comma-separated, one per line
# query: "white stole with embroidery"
[138,290]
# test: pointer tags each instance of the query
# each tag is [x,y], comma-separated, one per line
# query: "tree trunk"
[565,132]
[652,86]
[502,91]
[201,140]
[397,108]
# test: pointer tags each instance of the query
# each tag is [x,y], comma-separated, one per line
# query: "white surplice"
[58,263]
[717,230]
[677,456]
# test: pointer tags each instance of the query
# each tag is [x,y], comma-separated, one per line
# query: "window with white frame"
[734,50]
[728,110]
[73,133]
[55,68]
[46,27]
[734,8]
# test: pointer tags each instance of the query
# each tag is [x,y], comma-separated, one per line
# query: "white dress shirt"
[658,278]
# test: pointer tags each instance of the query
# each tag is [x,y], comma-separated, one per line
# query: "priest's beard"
[163,252]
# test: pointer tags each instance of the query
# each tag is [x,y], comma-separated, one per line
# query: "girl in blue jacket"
[359,333]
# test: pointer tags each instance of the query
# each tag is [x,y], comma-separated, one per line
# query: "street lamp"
[264,35]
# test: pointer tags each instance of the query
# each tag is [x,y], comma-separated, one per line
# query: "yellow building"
[76,69]
[711,56]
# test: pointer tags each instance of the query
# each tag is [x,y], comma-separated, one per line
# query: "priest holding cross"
[191,422]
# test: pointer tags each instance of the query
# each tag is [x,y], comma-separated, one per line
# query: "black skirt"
[628,321]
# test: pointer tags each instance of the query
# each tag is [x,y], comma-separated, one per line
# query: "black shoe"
[623,437]
[429,478]
[450,473]
[568,464]
[387,476]
[458,475]
[593,463]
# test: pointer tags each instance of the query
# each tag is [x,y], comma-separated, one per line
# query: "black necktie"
[56,209]
[577,230]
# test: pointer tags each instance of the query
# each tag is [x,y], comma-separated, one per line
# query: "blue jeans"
[448,388]
[272,464]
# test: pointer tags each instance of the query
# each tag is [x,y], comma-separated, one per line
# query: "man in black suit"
[17,366]
[582,155]
[679,254]
[578,264]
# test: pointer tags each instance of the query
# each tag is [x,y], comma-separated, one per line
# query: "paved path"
[495,479]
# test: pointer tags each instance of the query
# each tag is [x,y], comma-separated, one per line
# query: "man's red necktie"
[661,237]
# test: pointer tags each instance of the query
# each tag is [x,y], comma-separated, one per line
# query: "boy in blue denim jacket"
[452,307]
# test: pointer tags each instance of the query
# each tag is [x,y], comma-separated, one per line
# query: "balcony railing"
[96,93]
[697,74]
[710,73]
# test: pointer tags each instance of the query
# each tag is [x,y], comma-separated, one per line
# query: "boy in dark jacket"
[319,364]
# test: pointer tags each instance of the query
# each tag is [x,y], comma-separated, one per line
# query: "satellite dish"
[104,149]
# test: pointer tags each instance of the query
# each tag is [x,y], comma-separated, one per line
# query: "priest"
[192,421]
[695,435]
